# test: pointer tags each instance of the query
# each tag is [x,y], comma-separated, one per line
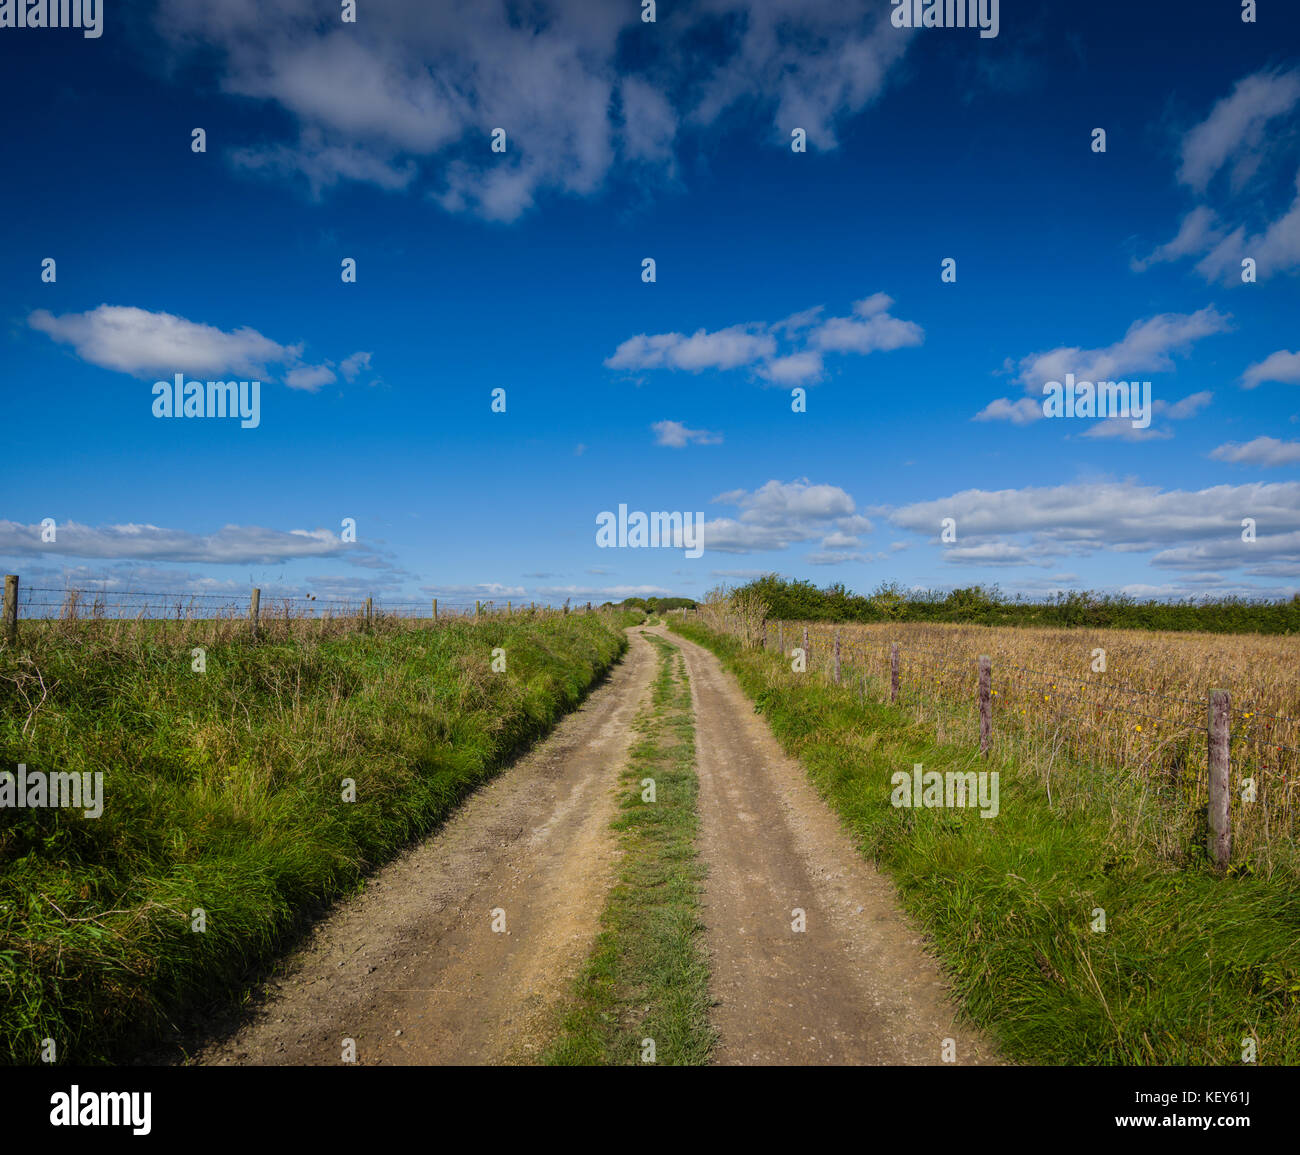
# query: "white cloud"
[480,590]
[796,322]
[1189,406]
[1235,136]
[1282,366]
[814,61]
[839,540]
[352,366]
[1020,412]
[1199,231]
[780,514]
[1122,429]
[145,344]
[1190,529]
[141,343]
[675,435]
[649,122]
[309,377]
[793,369]
[406,96]
[754,345]
[607,592]
[1235,128]
[230,545]
[1146,347]
[1275,250]
[1263,451]
[725,349]
[870,329]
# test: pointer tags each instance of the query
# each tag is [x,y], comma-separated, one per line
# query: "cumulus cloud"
[780,514]
[352,366]
[145,344]
[1282,367]
[142,343]
[407,96]
[1019,412]
[793,369]
[677,436]
[724,349]
[1263,451]
[1198,529]
[1122,429]
[870,328]
[1189,406]
[309,377]
[1148,346]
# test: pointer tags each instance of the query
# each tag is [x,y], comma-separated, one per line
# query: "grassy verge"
[1189,964]
[648,976]
[225,817]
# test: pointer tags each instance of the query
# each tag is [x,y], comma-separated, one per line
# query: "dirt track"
[414,973]
[856,986]
[412,969]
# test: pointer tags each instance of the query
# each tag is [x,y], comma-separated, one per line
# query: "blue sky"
[522,270]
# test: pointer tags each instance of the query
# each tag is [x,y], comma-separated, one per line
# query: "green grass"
[648,976]
[1189,965]
[224,791]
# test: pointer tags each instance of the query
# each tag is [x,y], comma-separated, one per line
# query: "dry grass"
[1144,716]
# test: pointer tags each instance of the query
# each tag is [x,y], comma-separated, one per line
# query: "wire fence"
[228,615]
[1099,718]
[83,603]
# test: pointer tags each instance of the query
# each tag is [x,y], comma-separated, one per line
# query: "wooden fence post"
[11,609]
[476,601]
[369,611]
[1220,733]
[893,673]
[806,653]
[837,657]
[435,609]
[780,637]
[254,608]
[510,609]
[986,703]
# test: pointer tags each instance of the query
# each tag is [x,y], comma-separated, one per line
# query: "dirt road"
[414,972]
[856,985]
